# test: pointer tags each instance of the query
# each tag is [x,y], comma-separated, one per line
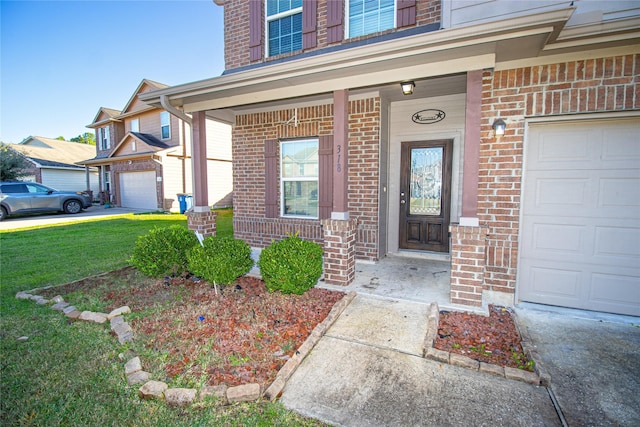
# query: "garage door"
[580,230]
[138,190]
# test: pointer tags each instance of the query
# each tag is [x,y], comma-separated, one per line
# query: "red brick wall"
[236,29]
[250,132]
[587,86]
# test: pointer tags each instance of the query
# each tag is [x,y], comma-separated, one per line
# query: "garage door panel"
[554,279]
[619,192]
[616,148]
[617,242]
[580,229]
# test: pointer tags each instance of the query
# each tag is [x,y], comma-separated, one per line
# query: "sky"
[60,61]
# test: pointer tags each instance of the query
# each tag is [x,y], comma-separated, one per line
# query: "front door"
[425,195]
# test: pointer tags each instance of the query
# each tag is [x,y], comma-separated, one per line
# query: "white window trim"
[346,20]
[275,17]
[296,179]
[137,121]
[168,125]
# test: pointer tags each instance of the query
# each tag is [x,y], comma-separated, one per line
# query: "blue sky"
[60,61]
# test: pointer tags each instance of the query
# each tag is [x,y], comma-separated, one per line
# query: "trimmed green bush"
[291,266]
[163,251]
[221,260]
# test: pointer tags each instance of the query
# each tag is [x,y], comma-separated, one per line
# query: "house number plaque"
[428,117]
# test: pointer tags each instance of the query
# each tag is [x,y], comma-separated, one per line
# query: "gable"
[134,103]
[103,115]
[138,143]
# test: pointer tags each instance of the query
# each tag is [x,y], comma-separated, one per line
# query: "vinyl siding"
[68,180]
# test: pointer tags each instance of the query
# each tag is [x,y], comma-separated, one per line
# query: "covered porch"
[334,79]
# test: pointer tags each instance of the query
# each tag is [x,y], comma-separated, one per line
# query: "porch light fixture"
[499,127]
[407,87]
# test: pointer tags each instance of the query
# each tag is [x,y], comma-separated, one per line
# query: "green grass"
[69,374]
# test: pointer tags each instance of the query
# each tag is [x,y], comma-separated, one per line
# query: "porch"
[406,276]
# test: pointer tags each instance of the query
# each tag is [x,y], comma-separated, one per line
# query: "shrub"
[221,260]
[163,251]
[291,266]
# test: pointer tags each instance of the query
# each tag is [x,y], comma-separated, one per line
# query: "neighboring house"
[54,164]
[144,156]
[326,143]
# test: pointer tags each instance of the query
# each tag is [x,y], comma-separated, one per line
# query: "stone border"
[183,396]
[538,377]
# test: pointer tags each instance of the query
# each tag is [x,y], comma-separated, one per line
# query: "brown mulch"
[493,339]
[234,335]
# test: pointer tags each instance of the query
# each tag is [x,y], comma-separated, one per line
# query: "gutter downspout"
[164,101]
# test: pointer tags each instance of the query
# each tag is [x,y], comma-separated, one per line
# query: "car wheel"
[3,213]
[72,206]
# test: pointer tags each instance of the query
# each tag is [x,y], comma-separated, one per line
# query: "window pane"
[426,181]
[300,159]
[370,16]
[285,34]
[301,198]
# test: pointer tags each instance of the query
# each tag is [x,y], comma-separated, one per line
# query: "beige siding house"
[54,163]
[143,154]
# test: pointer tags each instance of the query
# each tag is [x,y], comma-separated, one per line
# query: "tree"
[13,165]
[85,138]
[60,138]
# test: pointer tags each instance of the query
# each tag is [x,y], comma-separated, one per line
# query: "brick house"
[144,155]
[513,154]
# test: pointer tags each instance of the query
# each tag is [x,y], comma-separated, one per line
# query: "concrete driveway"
[368,370]
[93,212]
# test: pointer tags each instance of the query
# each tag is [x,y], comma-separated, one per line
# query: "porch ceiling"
[437,53]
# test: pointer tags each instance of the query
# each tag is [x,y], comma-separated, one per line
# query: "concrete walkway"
[368,370]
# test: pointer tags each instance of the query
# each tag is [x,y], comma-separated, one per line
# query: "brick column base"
[202,222]
[467,264]
[339,251]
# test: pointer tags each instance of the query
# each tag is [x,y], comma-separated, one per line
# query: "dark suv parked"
[30,197]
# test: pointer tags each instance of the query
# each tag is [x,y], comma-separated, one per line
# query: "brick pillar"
[339,251]
[467,264]
[202,222]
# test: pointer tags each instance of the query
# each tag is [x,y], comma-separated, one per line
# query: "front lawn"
[70,374]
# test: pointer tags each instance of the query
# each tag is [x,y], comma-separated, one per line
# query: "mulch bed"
[234,335]
[493,339]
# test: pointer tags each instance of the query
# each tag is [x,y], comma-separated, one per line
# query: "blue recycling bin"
[185,201]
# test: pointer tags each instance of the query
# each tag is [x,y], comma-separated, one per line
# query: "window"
[299,178]
[165,125]
[135,125]
[284,26]
[106,182]
[35,188]
[370,16]
[104,137]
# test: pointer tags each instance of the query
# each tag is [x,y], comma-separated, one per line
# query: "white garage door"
[138,190]
[580,231]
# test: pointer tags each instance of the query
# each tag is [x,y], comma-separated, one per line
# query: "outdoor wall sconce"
[499,127]
[407,87]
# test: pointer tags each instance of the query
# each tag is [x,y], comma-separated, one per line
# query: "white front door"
[580,230]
